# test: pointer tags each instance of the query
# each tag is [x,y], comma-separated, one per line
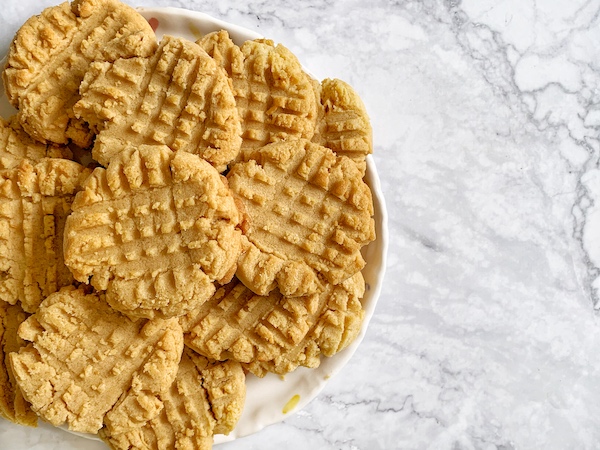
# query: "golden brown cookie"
[178,97]
[206,398]
[344,124]
[155,230]
[310,213]
[13,406]
[16,145]
[52,51]
[35,199]
[86,364]
[274,96]
[274,333]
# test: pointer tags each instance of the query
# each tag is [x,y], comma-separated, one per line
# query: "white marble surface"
[486,116]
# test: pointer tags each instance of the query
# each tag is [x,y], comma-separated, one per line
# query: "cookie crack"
[207,401]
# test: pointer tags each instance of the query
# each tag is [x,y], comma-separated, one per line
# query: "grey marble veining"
[485,118]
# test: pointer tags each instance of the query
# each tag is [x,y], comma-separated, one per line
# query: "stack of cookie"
[175,215]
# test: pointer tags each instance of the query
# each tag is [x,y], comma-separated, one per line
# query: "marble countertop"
[485,116]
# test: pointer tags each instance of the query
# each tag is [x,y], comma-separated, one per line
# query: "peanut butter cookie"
[86,364]
[344,124]
[155,230]
[274,333]
[35,200]
[310,213]
[50,54]
[274,96]
[178,97]
[206,398]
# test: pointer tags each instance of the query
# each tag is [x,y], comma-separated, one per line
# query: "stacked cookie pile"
[174,215]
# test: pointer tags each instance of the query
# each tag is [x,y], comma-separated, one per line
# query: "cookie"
[274,96]
[274,333]
[50,54]
[85,364]
[178,97]
[206,398]
[13,406]
[310,213]
[35,199]
[16,145]
[155,230]
[344,124]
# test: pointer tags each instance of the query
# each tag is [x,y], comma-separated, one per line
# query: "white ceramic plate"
[267,397]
